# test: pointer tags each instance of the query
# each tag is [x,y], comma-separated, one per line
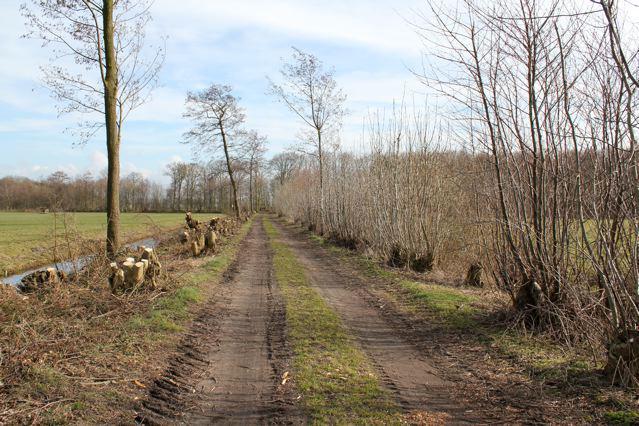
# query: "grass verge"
[336,380]
[467,310]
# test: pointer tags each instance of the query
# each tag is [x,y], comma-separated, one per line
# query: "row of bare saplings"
[555,226]
[546,193]
[406,202]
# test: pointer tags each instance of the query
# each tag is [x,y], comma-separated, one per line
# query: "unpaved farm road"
[229,365]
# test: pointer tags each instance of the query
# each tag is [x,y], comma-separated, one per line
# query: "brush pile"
[41,279]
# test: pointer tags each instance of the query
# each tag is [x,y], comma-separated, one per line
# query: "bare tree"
[284,165]
[112,74]
[254,147]
[547,91]
[311,92]
[217,117]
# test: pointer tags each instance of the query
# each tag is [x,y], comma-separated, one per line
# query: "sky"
[368,42]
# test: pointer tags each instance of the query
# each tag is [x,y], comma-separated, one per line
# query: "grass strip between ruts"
[337,382]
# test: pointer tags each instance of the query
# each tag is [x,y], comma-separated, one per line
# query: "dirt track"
[228,367]
[405,370]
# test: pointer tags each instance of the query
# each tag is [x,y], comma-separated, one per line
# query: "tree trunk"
[251,188]
[230,171]
[320,155]
[112,132]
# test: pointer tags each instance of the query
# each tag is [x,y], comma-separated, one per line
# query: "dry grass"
[76,353]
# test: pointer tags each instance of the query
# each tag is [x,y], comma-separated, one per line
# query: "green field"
[27,239]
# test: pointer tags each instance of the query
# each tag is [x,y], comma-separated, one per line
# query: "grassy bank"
[335,379]
[28,239]
[474,315]
[80,355]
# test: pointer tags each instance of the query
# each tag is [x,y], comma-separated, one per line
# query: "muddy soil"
[229,365]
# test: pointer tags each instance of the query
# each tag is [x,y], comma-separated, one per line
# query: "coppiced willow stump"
[528,297]
[190,222]
[41,279]
[196,250]
[211,239]
[623,358]
[136,273]
[153,267]
[116,280]
[203,238]
[474,275]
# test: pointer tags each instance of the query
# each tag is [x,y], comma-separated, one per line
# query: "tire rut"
[403,368]
[228,366]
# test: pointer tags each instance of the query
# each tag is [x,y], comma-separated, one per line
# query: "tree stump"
[195,249]
[211,239]
[40,279]
[184,236]
[397,257]
[623,358]
[528,296]
[116,280]
[153,265]
[190,222]
[473,277]
[421,263]
[137,274]
[133,273]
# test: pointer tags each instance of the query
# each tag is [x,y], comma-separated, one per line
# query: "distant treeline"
[192,186]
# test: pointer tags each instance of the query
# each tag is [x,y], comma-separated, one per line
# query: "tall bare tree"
[311,92]
[217,117]
[283,166]
[254,147]
[112,74]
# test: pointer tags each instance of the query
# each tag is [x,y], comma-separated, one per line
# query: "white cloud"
[164,106]
[99,161]
[376,24]
[238,43]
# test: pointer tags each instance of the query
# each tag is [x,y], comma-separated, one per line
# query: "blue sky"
[237,43]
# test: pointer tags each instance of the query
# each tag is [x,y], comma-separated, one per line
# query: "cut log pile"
[202,238]
[136,273]
[40,279]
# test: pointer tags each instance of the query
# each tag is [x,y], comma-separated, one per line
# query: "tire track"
[404,369]
[228,367]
